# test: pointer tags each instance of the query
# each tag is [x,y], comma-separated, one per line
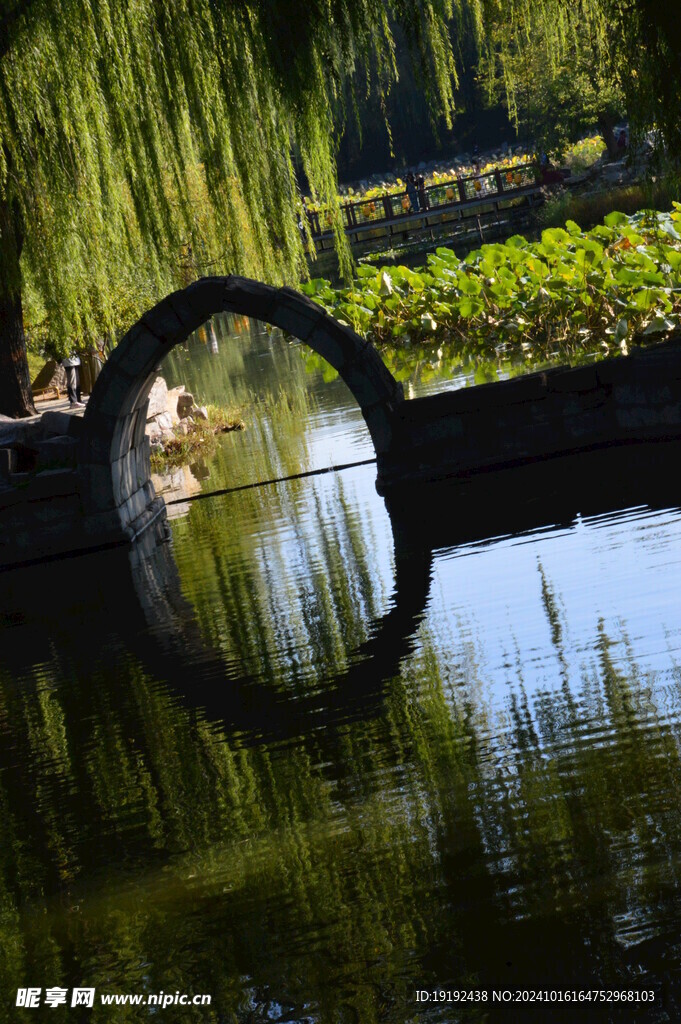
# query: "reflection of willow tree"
[309,596]
[262,376]
[170,856]
[229,375]
[310,593]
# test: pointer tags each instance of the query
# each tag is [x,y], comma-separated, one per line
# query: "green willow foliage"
[147,142]
[610,49]
[551,62]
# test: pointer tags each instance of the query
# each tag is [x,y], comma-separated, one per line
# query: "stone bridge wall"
[539,416]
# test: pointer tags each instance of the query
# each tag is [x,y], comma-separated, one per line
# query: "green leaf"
[614,219]
[470,307]
[386,286]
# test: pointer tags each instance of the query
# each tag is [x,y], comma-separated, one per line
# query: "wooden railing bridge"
[479,198]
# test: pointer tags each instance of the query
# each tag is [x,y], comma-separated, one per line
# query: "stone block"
[51,483]
[135,505]
[588,425]
[158,398]
[19,479]
[101,527]
[289,296]
[113,395]
[366,391]
[96,488]
[581,379]
[370,380]
[251,298]
[139,428]
[61,424]
[117,481]
[380,423]
[520,390]
[96,445]
[336,343]
[124,476]
[139,351]
[55,513]
[670,416]
[635,417]
[143,466]
[614,371]
[421,434]
[123,435]
[57,451]
[188,312]
[296,314]
[201,413]
[150,493]
[165,324]
[154,512]
[206,296]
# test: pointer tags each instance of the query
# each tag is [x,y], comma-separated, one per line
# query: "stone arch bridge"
[90,483]
[113,462]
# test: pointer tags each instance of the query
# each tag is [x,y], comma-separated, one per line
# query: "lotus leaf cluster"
[570,293]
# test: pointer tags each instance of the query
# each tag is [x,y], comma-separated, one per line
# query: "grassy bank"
[200,441]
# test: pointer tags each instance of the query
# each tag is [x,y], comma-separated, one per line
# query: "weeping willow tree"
[146,142]
[551,64]
[565,65]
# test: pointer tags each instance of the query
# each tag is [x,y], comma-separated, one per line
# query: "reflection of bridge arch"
[114,460]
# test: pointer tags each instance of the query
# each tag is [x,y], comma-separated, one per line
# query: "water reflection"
[318,752]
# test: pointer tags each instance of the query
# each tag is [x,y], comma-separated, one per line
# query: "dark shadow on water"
[130,602]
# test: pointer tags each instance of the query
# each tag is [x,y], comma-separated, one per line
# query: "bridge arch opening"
[116,488]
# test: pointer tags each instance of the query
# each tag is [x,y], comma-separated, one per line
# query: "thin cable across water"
[276,480]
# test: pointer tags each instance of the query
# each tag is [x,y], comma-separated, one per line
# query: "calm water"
[315,754]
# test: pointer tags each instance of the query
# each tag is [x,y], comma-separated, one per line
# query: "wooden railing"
[501,183]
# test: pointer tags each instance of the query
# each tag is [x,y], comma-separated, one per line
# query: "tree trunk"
[606,127]
[15,383]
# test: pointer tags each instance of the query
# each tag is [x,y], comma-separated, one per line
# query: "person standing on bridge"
[412,193]
[423,195]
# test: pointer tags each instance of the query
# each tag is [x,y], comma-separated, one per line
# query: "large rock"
[158,398]
[185,403]
[174,398]
[165,421]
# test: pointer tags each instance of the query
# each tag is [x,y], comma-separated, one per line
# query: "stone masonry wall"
[536,417]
